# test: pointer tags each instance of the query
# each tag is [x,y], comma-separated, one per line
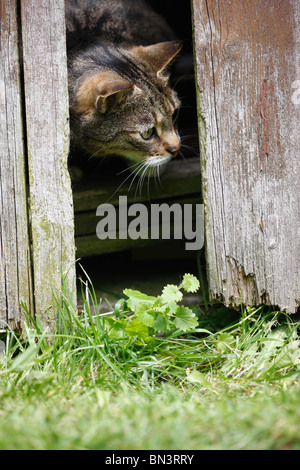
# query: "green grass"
[225,386]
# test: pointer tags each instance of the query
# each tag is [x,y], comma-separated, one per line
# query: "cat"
[121,103]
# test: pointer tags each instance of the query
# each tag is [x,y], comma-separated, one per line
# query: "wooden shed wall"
[248,78]
[248,63]
[15,272]
[37,226]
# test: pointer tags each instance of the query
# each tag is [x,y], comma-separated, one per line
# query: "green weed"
[129,379]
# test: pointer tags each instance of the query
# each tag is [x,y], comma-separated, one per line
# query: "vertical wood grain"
[248,79]
[15,270]
[46,99]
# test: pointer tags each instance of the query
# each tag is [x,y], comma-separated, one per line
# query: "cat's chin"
[156,166]
[151,167]
[155,161]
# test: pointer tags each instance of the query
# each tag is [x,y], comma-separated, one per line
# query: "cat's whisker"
[148,186]
[128,168]
[139,183]
[156,172]
[148,182]
[151,171]
[124,181]
[100,162]
[181,154]
[186,106]
[158,176]
[95,154]
[186,136]
[139,169]
[151,176]
[141,179]
[177,81]
[138,173]
[191,149]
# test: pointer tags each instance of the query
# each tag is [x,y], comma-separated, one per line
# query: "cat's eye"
[147,134]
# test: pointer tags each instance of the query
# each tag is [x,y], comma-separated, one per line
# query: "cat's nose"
[173,147]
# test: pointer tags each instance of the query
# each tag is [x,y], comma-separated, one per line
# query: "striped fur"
[120,99]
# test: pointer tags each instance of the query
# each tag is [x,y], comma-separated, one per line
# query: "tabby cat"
[121,102]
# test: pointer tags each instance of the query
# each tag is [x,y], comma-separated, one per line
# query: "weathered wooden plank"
[90,245]
[248,71]
[15,271]
[181,178]
[46,99]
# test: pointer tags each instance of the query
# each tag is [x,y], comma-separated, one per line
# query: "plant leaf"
[197,377]
[225,342]
[136,298]
[115,328]
[185,319]
[169,308]
[171,293]
[190,283]
[144,315]
[161,323]
[136,328]
[289,356]
[119,307]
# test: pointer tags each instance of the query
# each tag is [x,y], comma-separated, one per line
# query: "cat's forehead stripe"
[159,117]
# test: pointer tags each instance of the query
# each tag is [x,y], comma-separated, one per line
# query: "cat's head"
[126,107]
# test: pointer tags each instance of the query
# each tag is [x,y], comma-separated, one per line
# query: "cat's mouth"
[157,161]
[149,167]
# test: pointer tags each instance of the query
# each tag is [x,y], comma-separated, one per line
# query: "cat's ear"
[97,91]
[158,56]
[113,87]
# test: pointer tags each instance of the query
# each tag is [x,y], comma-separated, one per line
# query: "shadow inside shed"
[146,265]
